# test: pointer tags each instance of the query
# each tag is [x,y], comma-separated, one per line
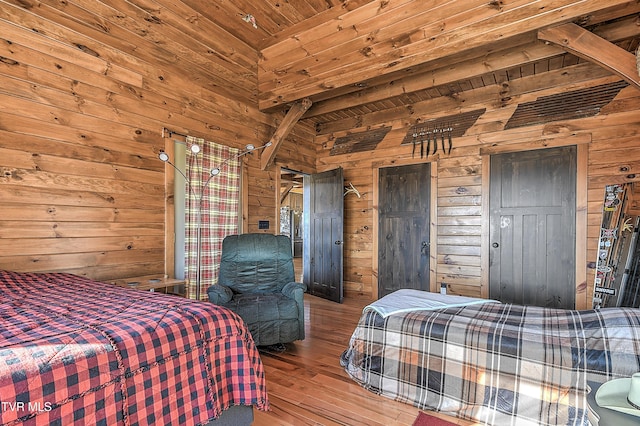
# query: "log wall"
[81,119]
[609,152]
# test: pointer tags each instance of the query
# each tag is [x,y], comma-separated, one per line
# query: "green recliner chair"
[257,282]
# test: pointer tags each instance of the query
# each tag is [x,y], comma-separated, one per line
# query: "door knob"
[338,242]
[495,245]
[424,248]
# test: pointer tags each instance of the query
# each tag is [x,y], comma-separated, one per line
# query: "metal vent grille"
[358,142]
[565,106]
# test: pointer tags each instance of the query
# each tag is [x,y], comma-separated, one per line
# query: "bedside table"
[149,283]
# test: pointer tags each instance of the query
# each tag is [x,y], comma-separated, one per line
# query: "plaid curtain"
[212,206]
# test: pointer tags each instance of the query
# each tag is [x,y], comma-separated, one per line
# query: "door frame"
[278,182]
[433,219]
[581,141]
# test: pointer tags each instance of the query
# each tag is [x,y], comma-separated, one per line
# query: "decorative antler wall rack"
[430,136]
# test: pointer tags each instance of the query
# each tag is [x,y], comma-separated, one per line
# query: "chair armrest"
[296,291]
[290,289]
[219,294]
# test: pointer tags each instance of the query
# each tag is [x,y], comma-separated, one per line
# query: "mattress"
[497,364]
[78,351]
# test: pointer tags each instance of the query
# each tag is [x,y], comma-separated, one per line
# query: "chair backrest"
[256,263]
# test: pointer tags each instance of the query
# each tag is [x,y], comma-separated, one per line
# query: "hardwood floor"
[307,385]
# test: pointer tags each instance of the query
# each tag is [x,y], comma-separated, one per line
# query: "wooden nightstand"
[152,283]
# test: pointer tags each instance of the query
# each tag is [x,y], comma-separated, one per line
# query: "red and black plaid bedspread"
[498,364]
[75,351]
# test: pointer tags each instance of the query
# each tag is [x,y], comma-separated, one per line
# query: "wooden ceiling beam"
[468,100]
[587,45]
[501,58]
[294,114]
[285,191]
[337,56]
[471,68]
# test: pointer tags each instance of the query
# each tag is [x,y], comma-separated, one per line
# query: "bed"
[493,363]
[78,351]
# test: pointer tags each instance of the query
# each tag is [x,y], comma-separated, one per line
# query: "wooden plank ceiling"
[353,58]
[356,61]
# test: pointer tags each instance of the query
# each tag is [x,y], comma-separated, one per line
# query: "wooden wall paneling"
[359,222]
[43,246]
[121,95]
[597,135]
[80,130]
[459,208]
[262,192]
[101,262]
[52,140]
[583,297]
[92,105]
[277,204]
[375,211]
[169,209]
[35,178]
[83,131]
[66,51]
[229,50]
[485,230]
[79,229]
[20,208]
[148,39]
[434,284]
[244,220]
[55,164]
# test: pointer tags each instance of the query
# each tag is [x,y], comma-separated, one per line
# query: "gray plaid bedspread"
[498,364]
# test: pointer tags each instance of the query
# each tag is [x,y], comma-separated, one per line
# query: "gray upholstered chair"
[257,282]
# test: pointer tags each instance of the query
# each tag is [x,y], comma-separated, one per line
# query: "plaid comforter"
[497,364]
[75,351]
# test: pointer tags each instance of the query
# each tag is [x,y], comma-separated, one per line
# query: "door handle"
[495,245]
[338,242]
[424,248]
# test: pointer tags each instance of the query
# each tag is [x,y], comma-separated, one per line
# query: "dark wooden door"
[532,227]
[322,254]
[403,228]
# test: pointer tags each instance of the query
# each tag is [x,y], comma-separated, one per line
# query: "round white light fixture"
[195,148]
[163,156]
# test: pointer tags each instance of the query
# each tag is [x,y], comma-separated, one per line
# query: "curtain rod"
[171,133]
